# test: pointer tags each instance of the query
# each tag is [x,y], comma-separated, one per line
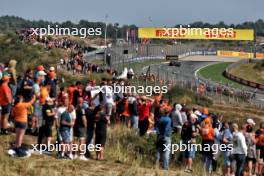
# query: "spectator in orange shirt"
[71,90]
[20,112]
[5,103]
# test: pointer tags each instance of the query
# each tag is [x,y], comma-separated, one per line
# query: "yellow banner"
[260,55]
[244,55]
[197,33]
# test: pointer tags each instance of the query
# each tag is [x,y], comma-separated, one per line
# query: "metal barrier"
[217,91]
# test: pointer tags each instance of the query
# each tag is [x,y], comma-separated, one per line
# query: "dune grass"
[249,71]
[126,153]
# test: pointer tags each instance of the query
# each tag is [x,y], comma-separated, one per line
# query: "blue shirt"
[164,126]
[66,117]
[228,135]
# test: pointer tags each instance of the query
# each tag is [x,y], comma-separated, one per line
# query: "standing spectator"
[125,116]
[239,152]
[37,107]
[27,86]
[48,112]
[260,148]
[66,124]
[227,139]
[62,95]
[176,117]
[90,115]
[5,103]
[53,83]
[189,133]
[71,90]
[164,131]
[78,92]
[100,131]
[79,129]
[62,107]
[13,76]
[108,99]
[133,111]
[251,146]
[20,112]
[207,133]
[144,110]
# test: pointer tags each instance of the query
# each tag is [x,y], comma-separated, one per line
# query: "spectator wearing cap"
[40,71]
[164,130]
[251,145]
[37,107]
[5,103]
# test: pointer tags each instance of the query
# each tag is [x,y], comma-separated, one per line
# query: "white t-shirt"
[108,95]
[239,143]
[61,110]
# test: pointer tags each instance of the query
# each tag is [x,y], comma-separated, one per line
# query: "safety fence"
[220,93]
[127,56]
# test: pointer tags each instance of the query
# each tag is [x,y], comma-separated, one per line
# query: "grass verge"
[215,73]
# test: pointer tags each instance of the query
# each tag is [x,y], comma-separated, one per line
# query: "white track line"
[196,71]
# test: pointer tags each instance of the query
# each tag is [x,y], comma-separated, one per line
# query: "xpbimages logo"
[182,147]
[56,30]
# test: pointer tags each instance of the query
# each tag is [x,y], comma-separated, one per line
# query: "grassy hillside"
[249,71]
[126,153]
[28,56]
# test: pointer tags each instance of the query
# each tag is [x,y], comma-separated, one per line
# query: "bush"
[180,95]
[27,56]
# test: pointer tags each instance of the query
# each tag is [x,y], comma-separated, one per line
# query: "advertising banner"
[244,55]
[196,33]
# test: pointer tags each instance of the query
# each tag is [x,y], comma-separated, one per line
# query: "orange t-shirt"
[5,94]
[20,111]
[126,112]
[207,133]
[71,90]
[44,93]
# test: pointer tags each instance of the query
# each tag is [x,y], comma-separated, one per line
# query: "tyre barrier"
[243,81]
